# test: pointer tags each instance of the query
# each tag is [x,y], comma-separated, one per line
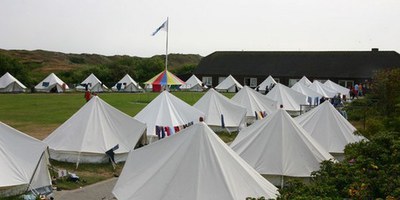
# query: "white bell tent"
[221,113]
[268,82]
[51,84]
[329,128]
[340,89]
[311,95]
[257,105]
[94,129]
[323,89]
[167,114]
[23,163]
[305,81]
[288,98]
[127,84]
[9,83]
[194,164]
[93,84]
[229,84]
[193,84]
[277,147]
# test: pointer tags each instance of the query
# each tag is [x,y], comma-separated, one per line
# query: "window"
[220,79]
[251,82]
[346,83]
[207,80]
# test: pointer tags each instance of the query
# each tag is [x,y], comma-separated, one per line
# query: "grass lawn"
[40,114]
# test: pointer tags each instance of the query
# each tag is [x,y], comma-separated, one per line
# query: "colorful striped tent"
[165,78]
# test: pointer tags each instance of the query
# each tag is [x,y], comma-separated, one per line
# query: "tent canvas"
[194,164]
[9,83]
[163,80]
[329,128]
[167,110]
[91,131]
[51,84]
[310,94]
[254,102]
[23,163]
[338,88]
[323,89]
[193,84]
[268,82]
[278,147]
[290,99]
[229,84]
[221,111]
[127,84]
[305,81]
[93,84]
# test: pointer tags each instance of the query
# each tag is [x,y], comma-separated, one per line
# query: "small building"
[287,67]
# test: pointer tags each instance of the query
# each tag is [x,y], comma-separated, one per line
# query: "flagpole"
[166,48]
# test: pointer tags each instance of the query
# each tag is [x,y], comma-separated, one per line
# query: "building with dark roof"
[253,67]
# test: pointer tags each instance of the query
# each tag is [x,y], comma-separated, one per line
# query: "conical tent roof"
[165,78]
[50,82]
[94,84]
[166,110]
[20,156]
[305,81]
[194,164]
[96,128]
[328,127]
[338,88]
[323,89]
[9,83]
[214,104]
[277,145]
[290,99]
[193,84]
[301,88]
[266,83]
[229,85]
[127,84]
[254,101]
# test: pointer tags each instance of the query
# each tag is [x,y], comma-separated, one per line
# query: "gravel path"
[98,191]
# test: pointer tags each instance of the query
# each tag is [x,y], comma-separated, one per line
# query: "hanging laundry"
[172,130]
[256,115]
[158,130]
[167,130]
[162,132]
[176,128]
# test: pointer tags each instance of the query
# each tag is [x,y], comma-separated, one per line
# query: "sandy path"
[98,191]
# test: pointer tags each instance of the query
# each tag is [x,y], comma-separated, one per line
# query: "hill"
[75,67]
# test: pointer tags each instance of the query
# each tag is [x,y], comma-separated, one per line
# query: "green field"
[39,114]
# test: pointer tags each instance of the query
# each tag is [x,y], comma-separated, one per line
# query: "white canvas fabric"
[278,146]
[303,89]
[305,81]
[194,164]
[9,83]
[290,99]
[23,158]
[217,107]
[323,89]
[127,84]
[193,84]
[338,88]
[266,83]
[51,84]
[91,131]
[95,85]
[329,128]
[230,84]
[167,110]
[254,102]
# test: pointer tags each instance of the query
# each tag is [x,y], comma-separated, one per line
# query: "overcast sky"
[124,27]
